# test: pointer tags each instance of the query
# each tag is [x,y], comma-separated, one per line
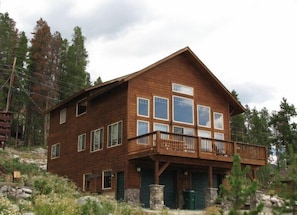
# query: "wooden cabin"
[167,124]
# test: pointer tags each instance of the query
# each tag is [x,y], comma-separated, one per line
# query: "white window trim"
[106,188]
[63,116]
[52,147]
[186,123]
[184,89]
[91,140]
[78,145]
[209,115]
[84,180]
[148,114]
[214,123]
[167,108]
[108,130]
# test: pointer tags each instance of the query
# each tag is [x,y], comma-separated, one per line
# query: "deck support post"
[210,177]
[157,172]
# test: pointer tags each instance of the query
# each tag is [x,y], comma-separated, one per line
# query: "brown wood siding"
[158,82]
[101,112]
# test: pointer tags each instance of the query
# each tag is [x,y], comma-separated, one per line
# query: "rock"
[83,200]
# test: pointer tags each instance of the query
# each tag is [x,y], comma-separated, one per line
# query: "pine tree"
[240,188]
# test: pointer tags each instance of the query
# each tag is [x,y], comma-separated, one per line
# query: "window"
[162,127]
[189,141]
[142,128]
[55,151]
[81,142]
[183,110]
[106,179]
[115,134]
[81,107]
[178,88]
[96,140]
[206,144]
[143,107]
[160,108]
[219,144]
[63,116]
[204,116]
[218,121]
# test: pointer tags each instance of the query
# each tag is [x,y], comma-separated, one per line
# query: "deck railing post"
[158,135]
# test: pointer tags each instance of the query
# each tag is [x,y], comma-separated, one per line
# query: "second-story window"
[96,139]
[81,142]
[204,116]
[218,121]
[160,108]
[142,128]
[143,107]
[183,110]
[115,134]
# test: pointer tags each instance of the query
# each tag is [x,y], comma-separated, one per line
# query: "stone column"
[211,195]
[156,197]
[132,196]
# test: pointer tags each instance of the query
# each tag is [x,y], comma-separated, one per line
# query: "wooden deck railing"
[166,143]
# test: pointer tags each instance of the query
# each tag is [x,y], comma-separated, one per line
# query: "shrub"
[7,208]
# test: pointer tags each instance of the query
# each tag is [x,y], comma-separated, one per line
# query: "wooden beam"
[163,168]
[210,176]
[157,181]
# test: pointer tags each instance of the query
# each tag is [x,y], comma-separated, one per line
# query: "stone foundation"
[211,195]
[132,196]
[156,197]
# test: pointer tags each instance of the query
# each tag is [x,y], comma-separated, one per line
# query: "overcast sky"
[250,45]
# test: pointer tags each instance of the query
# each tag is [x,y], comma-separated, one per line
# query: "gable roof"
[235,106]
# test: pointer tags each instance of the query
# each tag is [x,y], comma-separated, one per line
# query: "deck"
[171,144]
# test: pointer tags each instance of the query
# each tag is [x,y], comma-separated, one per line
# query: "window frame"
[215,123]
[163,136]
[63,115]
[183,89]
[143,140]
[81,143]
[82,101]
[206,145]
[105,178]
[54,152]
[173,110]
[119,138]
[138,107]
[167,108]
[101,140]
[198,116]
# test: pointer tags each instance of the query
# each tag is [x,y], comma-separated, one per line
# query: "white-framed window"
[55,151]
[81,142]
[161,108]
[86,181]
[179,88]
[115,134]
[81,107]
[162,127]
[218,121]
[206,145]
[143,107]
[96,139]
[63,116]
[142,128]
[189,141]
[106,179]
[220,149]
[204,116]
[183,110]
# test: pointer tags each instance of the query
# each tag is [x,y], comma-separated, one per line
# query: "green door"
[120,186]
[199,183]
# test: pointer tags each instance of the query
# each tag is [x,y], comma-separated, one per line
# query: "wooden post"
[10,85]
[157,172]
[210,178]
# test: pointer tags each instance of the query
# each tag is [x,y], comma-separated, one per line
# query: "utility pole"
[10,85]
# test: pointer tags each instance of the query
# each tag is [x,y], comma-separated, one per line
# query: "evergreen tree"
[75,77]
[8,47]
[240,188]
[284,133]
